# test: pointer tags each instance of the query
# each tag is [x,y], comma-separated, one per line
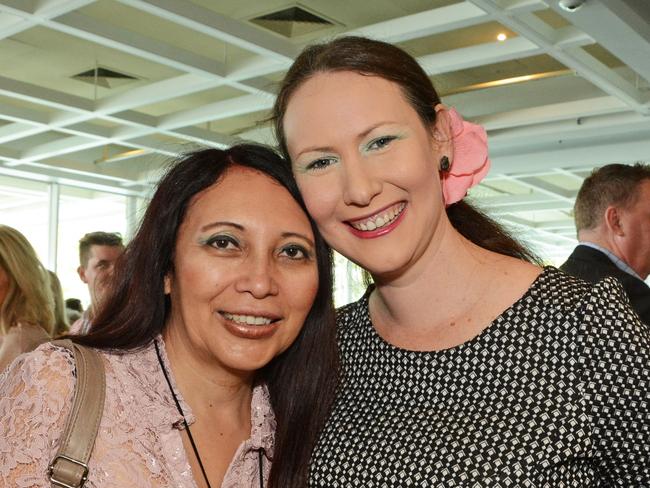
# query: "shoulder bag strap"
[69,467]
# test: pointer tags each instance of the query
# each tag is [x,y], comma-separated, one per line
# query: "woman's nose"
[257,278]
[360,184]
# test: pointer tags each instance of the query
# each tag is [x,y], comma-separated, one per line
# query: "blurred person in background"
[612,215]
[98,252]
[26,304]
[61,323]
[73,309]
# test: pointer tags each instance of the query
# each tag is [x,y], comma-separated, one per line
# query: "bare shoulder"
[510,279]
[517,272]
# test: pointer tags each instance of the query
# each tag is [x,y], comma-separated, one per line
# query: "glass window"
[24,205]
[349,283]
[82,211]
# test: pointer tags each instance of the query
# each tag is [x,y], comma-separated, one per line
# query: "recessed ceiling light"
[502,37]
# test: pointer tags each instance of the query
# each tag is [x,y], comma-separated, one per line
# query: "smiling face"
[245,273]
[367,168]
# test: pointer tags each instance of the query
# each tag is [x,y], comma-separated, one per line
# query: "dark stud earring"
[444,164]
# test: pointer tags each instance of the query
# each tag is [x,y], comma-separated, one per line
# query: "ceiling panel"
[562,93]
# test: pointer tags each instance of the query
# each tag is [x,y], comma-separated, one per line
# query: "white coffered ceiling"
[565,92]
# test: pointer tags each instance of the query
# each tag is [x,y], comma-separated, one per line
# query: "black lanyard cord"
[180,410]
[260,452]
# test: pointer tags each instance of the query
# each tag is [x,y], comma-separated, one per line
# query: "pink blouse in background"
[139,441]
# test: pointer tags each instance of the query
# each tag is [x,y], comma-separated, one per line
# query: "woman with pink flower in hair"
[465,363]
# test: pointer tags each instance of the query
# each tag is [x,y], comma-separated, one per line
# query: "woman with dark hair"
[211,377]
[465,363]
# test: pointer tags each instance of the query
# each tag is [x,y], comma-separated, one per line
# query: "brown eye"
[295,252]
[222,242]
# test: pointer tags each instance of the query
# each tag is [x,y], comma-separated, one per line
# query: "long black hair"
[302,379]
[376,58]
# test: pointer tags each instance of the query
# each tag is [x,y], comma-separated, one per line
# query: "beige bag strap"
[69,467]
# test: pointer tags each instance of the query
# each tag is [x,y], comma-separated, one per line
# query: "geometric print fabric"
[554,393]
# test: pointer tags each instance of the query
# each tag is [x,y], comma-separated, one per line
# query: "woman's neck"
[440,300]
[208,387]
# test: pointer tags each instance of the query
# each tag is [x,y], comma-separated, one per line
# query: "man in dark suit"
[612,215]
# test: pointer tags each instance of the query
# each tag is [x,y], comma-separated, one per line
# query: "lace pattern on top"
[138,443]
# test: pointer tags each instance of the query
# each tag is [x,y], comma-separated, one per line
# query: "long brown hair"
[375,58]
[302,379]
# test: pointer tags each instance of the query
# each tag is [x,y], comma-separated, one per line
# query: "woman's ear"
[443,132]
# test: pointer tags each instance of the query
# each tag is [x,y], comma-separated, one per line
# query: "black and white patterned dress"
[555,393]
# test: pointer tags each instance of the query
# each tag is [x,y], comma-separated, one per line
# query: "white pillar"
[54,192]
[131,217]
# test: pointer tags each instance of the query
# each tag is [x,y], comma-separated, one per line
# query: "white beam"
[133,43]
[524,206]
[584,155]
[434,21]
[585,65]
[597,127]
[627,32]
[14,23]
[510,201]
[136,44]
[178,86]
[552,113]
[543,186]
[79,179]
[479,55]
[10,25]
[78,110]
[218,26]
[215,111]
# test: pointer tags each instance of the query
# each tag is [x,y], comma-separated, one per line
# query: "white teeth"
[380,220]
[247,319]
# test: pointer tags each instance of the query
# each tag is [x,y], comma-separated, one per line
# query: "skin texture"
[357,148]
[371,151]
[633,236]
[98,270]
[244,247]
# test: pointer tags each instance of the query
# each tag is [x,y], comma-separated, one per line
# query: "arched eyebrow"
[221,224]
[361,135]
[286,235]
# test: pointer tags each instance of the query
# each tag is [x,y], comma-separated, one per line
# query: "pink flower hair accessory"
[469,161]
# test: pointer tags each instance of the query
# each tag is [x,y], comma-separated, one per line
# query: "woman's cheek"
[319,199]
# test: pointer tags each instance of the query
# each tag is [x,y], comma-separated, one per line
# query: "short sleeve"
[35,398]
[617,386]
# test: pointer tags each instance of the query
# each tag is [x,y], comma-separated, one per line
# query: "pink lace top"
[139,442]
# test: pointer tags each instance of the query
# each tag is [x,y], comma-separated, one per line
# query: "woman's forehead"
[343,103]
[248,196]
